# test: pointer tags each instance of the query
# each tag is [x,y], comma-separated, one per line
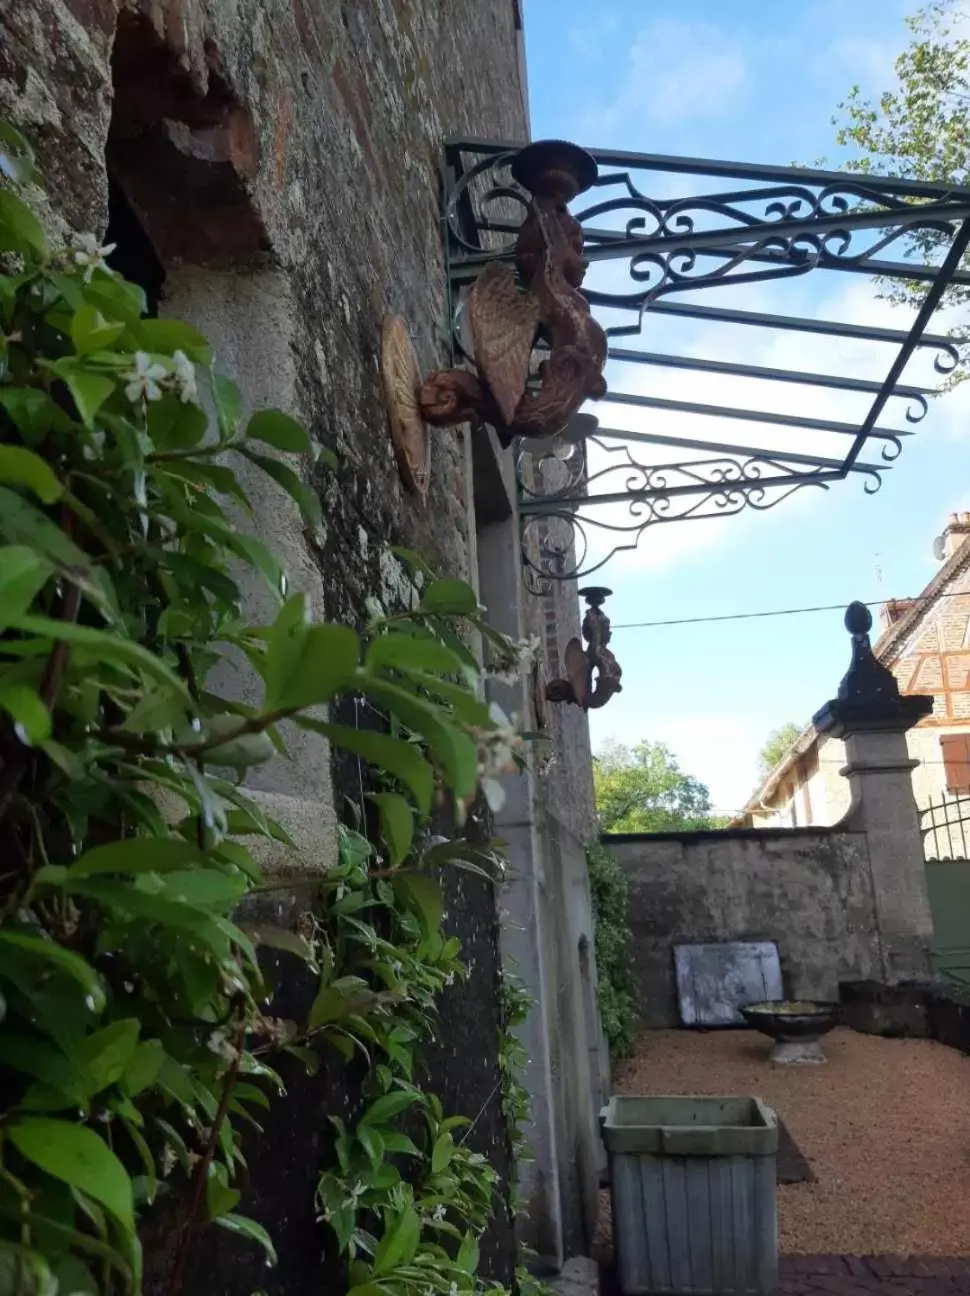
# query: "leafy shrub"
[616,989]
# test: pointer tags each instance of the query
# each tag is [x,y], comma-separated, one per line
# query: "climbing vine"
[616,989]
[138,1032]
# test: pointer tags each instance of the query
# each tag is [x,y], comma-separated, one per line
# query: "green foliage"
[776,746]
[616,988]
[643,789]
[137,1020]
[920,129]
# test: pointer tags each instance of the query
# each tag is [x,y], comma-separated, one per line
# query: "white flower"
[450,979]
[91,255]
[143,380]
[94,445]
[438,1213]
[494,794]
[185,378]
[453,1290]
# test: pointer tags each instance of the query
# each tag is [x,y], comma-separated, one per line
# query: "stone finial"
[869,696]
[867,680]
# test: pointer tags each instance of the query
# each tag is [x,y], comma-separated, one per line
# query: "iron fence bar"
[754,416]
[761,319]
[628,355]
[930,302]
[678,165]
[559,503]
[719,447]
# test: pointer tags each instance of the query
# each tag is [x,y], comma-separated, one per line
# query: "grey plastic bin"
[693,1182]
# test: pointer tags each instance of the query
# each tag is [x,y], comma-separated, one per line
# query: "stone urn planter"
[796,1026]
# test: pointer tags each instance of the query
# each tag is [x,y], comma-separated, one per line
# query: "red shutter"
[956,761]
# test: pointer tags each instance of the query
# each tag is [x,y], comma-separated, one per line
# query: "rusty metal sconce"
[581,664]
[508,312]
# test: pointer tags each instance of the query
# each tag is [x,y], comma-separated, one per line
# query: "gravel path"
[885,1126]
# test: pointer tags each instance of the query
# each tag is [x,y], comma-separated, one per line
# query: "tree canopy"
[775,746]
[920,129]
[643,789]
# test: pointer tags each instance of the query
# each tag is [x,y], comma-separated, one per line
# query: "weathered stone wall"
[296,144]
[809,891]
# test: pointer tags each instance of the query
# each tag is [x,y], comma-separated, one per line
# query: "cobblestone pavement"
[832,1275]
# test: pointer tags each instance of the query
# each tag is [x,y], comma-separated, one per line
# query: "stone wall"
[809,891]
[282,157]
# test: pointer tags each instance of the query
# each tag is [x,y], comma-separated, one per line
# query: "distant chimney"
[894,610]
[955,533]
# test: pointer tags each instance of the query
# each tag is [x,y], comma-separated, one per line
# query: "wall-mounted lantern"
[596,659]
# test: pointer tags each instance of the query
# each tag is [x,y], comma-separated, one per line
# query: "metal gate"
[946,844]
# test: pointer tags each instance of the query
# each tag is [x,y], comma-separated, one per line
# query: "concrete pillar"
[523,914]
[872,718]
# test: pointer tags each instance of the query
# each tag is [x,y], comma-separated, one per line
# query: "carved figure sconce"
[581,664]
[508,311]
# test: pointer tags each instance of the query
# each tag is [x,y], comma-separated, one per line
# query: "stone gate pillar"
[872,717]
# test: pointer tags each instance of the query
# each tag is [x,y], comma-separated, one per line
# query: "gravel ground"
[885,1126]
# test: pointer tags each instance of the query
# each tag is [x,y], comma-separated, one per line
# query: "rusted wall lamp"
[581,664]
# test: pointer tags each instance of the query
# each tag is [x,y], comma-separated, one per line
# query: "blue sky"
[759,82]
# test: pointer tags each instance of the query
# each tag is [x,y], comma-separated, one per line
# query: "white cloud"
[675,71]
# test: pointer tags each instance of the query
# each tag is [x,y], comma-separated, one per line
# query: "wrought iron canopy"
[737,227]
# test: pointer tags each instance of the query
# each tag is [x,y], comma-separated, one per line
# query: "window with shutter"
[956,761]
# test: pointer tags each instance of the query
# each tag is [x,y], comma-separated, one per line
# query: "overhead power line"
[778,612]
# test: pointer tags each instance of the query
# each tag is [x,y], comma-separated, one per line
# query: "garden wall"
[810,891]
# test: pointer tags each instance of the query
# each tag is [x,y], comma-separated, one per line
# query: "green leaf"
[239,751]
[421,893]
[229,403]
[340,1000]
[453,597]
[111,646]
[388,1106]
[467,1258]
[166,336]
[302,494]
[90,390]
[27,526]
[90,331]
[285,643]
[27,712]
[406,652]
[77,1156]
[203,888]
[248,1228]
[41,1061]
[105,1054]
[393,755]
[280,431]
[442,1152]
[453,748]
[219,1197]
[326,664]
[143,1067]
[137,855]
[64,959]
[20,467]
[280,939]
[33,411]
[23,574]
[399,1244]
[20,230]
[397,823]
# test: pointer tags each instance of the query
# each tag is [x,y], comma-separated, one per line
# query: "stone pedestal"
[872,718]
